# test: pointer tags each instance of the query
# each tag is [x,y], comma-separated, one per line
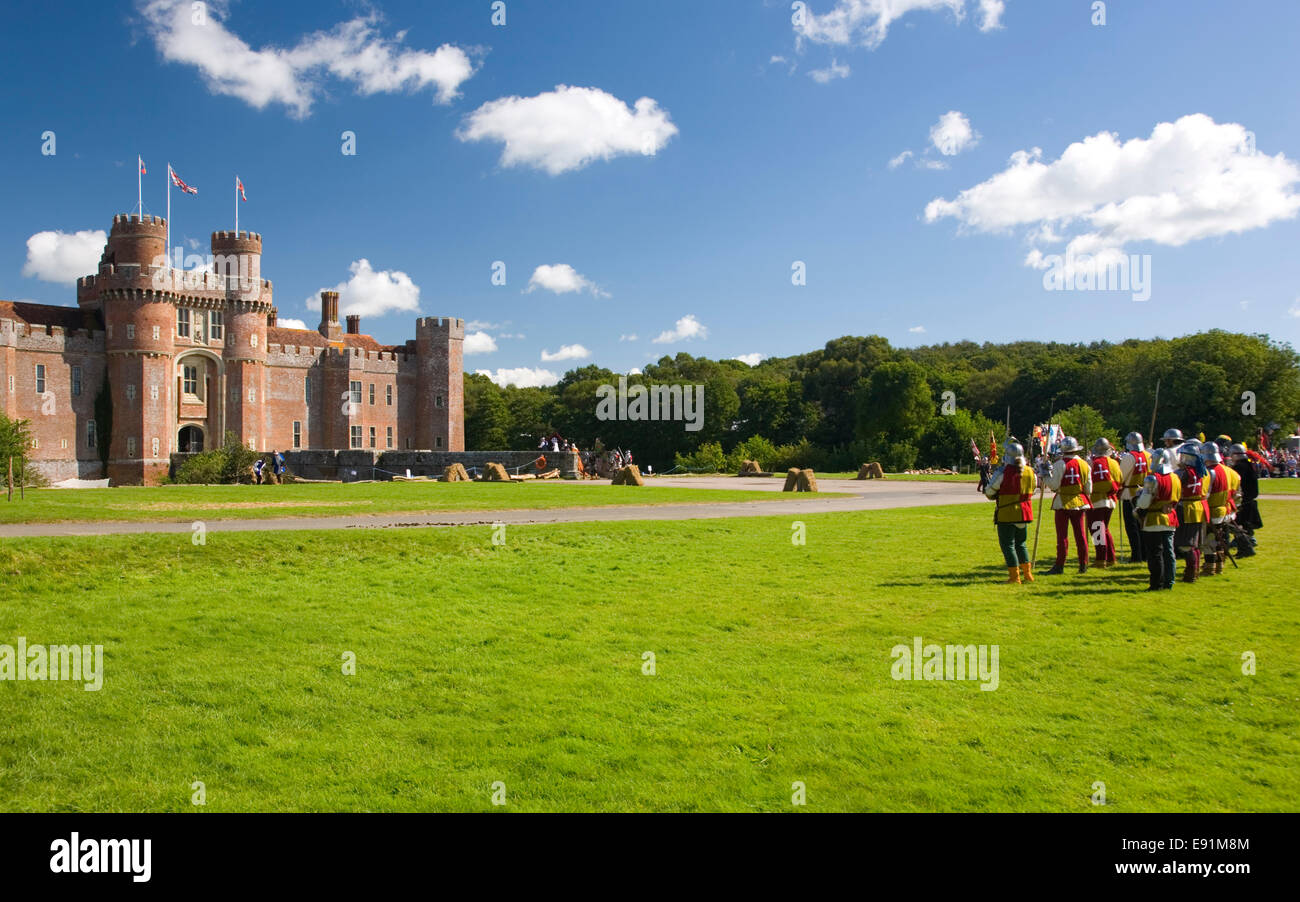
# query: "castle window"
[40,378]
[372,394]
[130,447]
[130,331]
[356,436]
[217,325]
[390,437]
[439,402]
[408,444]
[198,326]
[252,340]
[182,322]
[306,389]
[153,392]
[372,436]
[437,442]
[76,382]
[388,390]
[190,380]
[90,433]
[297,433]
[63,444]
[157,332]
[355,388]
[252,396]
[130,392]
[154,448]
[11,383]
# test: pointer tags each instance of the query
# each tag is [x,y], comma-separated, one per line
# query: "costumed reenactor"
[1224,485]
[1012,487]
[1157,505]
[1071,480]
[1134,464]
[1107,480]
[1193,510]
[1248,510]
[1172,439]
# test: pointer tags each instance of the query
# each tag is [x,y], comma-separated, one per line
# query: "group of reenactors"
[1194,501]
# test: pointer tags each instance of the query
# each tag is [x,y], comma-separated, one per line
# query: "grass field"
[183,503]
[523,663]
[1279,486]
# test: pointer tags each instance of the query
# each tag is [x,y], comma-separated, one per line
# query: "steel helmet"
[1070,445]
[1101,447]
[1223,442]
[1133,441]
[1014,451]
[1189,453]
[1236,450]
[1173,437]
[1211,454]
[1162,461]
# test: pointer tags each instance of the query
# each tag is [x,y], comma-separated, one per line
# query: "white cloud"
[917,330]
[565,129]
[635,371]
[511,335]
[64,257]
[566,352]
[1191,179]
[1294,310]
[900,159]
[687,327]
[290,323]
[866,22]
[830,73]
[561,278]
[750,359]
[352,51]
[373,293]
[953,133]
[478,343]
[522,376]
[627,337]
[476,325]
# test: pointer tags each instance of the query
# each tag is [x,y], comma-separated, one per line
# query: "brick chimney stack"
[271,319]
[329,316]
[354,325]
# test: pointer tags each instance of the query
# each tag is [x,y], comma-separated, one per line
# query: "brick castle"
[191,355]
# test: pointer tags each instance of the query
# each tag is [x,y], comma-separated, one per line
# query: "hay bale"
[494,472]
[629,475]
[871,471]
[455,473]
[750,466]
[791,479]
[807,481]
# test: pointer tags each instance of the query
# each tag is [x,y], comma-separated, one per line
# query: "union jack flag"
[179,183]
[142,169]
[239,186]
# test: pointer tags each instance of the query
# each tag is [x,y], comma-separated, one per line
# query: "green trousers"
[1011,539]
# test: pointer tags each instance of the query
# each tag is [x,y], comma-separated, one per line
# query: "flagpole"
[236,206]
[139,185]
[169,215]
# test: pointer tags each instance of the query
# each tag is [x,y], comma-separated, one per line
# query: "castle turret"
[238,257]
[141,240]
[439,346]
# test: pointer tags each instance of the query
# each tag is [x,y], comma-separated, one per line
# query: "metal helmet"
[1162,461]
[1189,453]
[1173,438]
[1014,451]
[1070,445]
[1211,454]
[1236,450]
[1101,447]
[1133,441]
[1223,442]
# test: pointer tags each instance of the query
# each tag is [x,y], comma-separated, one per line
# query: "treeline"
[859,399]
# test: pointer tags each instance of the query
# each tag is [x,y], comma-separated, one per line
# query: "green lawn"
[1279,486]
[215,502]
[522,663]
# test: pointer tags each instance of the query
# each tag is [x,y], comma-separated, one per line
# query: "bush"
[708,458]
[229,464]
[753,448]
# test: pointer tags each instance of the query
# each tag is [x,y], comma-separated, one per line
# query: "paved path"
[867,495]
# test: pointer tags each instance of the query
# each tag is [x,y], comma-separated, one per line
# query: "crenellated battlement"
[124,223]
[440,325]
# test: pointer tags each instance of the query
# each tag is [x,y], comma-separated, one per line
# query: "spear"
[1042,489]
[1151,433]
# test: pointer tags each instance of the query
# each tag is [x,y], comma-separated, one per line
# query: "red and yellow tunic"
[1072,491]
[1106,481]
[1224,481]
[1194,508]
[1162,513]
[1137,475]
[1014,493]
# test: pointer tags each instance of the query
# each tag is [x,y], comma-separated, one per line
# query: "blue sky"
[770,142]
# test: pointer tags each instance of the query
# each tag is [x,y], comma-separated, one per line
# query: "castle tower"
[132,290]
[439,346]
[238,257]
[329,316]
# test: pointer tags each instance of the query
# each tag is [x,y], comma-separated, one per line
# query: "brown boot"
[1026,573]
[1013,575]
[1189,571]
